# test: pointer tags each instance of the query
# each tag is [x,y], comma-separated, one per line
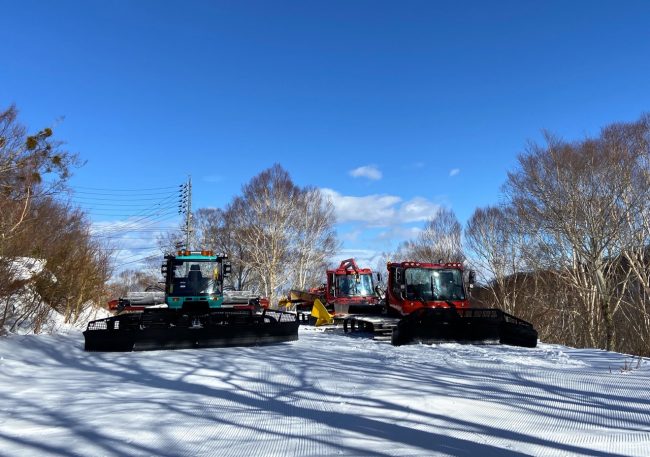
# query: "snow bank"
[23,270]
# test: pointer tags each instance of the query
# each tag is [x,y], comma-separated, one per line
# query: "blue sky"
[394,108]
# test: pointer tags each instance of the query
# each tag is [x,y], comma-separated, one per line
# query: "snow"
[326,394]
[53,323]
[24,269]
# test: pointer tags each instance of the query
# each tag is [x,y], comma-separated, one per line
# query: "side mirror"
[472,277]
[227,269]
[163,269]
[380,293]
[378,277]
[398,276]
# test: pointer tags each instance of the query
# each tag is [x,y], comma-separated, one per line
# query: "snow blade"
[472,325]
[167,329]
[321,314]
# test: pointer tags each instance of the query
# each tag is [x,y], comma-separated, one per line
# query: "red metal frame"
[405,306]
[347,267]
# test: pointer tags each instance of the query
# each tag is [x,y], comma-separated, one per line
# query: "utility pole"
[185,207]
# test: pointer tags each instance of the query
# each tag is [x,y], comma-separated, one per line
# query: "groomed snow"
[326,394]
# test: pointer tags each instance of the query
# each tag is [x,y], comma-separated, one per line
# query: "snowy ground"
[326,394]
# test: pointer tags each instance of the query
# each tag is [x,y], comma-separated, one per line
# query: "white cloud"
[365,258]
[367,171]
[380,210]
[375,210]
[418,209]
[378,222]
[454,171]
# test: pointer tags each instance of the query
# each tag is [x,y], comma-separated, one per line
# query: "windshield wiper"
[433,289]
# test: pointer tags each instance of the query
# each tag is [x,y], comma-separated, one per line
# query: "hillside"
[326,394]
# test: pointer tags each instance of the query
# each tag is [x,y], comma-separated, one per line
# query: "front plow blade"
[473,325]
[155,330]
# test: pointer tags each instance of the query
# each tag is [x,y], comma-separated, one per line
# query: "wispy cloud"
[352,235]
[380,210]
[372,225]
[364,257]
[454,171]
[367,171]
[131,241]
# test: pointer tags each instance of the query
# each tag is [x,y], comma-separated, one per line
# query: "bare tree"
[632,140]
[440,240]
[133,281]
[314,239]
[571,198]
[493,237]
[277,231]
[24,161]
[37,228]
[218,230]
[75,267]
[263,214]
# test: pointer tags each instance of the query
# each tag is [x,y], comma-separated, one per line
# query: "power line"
[126,202]
[121,195]
[143,215]
[140,248]
[127,190]
[126,198]
[131,227]
[126,238]
[151,257]
[149,211]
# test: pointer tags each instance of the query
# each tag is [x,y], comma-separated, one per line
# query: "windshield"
[354,285]
[428,284]
[192,278]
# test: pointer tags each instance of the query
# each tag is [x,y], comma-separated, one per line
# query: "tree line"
[48,258]
[568,249]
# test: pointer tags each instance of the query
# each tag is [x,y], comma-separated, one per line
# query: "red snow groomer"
[422,302]
[348,290]
[429,303]
[433,302]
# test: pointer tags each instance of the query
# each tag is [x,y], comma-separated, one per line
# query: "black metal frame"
[472,325]
[168,329]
